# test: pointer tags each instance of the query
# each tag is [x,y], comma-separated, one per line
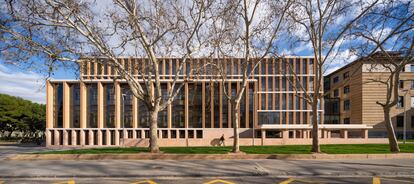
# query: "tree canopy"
[17,114]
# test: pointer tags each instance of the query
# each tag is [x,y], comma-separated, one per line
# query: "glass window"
[284,101]
[127,101]
[269,118]
[208,105]
[195,106]
[412,84]
[109,101]
[412,121]
[163,115]
[143,115]
[412,68]
[401,84]
[75,105]
[178,119]
[336,93]
[291,101]
[412,102]
[58,106]
[92,110]
[336,79]
[400,101]
[297,67]
[400,121]
[251,104]
[347,105]
[304,67]
[346,89]
[346,75]
[347,121]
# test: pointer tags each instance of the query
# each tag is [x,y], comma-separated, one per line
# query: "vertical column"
[365,133]
[91,137]
[100,105]
[212,90]
[285,134]
[203,102]
[221,104]
[83,112]
[57,138]
[263,136]
[229,107]
[100,112]
[134,112]
[186,106]
[48,138]
[49,112]
[117,137]
[344,134]
[66,112]
[169,110]
[108,137]
[117,105]
[247,104]
[74,137]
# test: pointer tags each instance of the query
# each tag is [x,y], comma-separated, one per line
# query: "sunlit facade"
[100,111]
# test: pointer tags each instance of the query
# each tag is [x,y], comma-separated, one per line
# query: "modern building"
[352,93]
[97,110]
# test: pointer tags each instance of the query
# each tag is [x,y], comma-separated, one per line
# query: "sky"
[31,85]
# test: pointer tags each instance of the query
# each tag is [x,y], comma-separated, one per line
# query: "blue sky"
[30,84]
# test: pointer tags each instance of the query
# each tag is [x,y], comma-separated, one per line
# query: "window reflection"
[74,105]
[92,110]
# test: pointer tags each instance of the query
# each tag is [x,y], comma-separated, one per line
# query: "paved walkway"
[7,150]
[205,168]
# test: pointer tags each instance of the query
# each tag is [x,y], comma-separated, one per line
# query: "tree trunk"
[315,129]
[390,131]
[235,121]
[154,132]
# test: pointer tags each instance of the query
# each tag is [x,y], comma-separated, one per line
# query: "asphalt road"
[216,180]
[204,171]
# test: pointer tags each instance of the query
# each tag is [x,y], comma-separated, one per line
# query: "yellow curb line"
[376,180]
[145,182]
[64,182]
[219,181]
[293,179]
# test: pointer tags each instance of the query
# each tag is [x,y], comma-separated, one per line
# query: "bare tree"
[387,43]
[249,29]
[148,29]
[322,25]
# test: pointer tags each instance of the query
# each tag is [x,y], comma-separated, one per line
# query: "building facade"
[352,93]
[97,110]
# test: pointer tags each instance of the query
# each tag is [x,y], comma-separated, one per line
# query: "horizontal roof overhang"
[323,126]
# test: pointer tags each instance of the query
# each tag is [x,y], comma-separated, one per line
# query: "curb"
[148,156]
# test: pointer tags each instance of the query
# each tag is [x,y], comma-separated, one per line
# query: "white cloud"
[25,85]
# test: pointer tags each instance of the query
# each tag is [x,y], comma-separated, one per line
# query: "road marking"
[402,181]
[66,182]
[219,181]
[287,181]
[145,182]
[376,180]
[290,180]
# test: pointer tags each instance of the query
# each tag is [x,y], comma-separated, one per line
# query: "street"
[373,171]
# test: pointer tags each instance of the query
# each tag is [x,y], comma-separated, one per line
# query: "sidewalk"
[148,156]
[204,168]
